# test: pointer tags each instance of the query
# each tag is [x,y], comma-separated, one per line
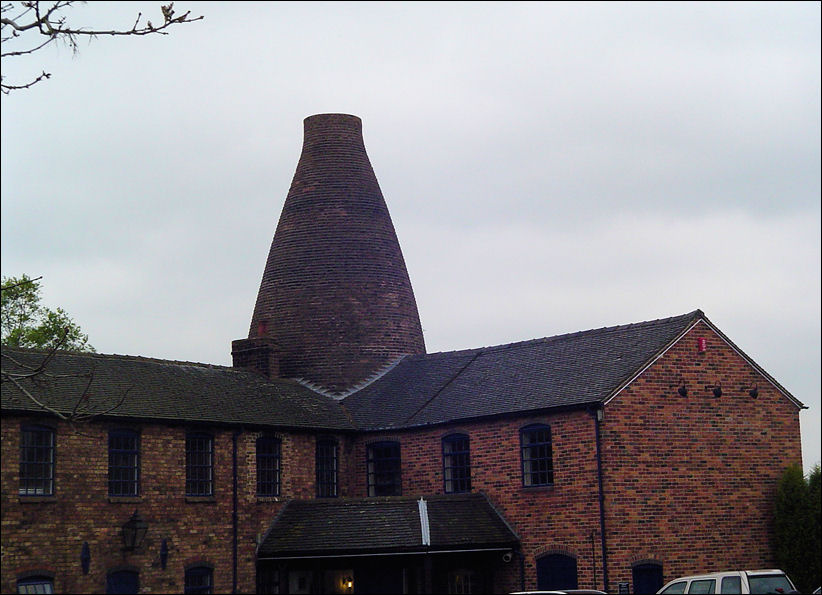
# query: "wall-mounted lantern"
[682,390]
[134,530]
[718,390]
[754,392]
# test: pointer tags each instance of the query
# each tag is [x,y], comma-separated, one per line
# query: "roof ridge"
[514,344]
[120,356]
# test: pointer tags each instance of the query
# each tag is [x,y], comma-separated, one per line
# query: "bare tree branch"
[24,282]
[31,372]
[54,26]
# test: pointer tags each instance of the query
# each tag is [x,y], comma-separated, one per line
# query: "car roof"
[728,573]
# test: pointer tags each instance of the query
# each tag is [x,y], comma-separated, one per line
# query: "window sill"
[544,488]
[36,499]
[125,499]
[201,499]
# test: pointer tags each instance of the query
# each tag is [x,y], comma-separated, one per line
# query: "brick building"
[337,456]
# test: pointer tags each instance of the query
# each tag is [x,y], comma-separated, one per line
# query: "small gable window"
[268,465]
[35,584]
[198,579]
[456,463]
[199,465]
[384,469]
[326,468]
[537,459]
[123,463]
[36,461]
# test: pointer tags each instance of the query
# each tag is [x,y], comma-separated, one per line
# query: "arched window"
[456,463]
[36,461]
[199,579]
[537,457]
[326,466]
[557,572]
[268,465]
[199,465]
[384,469]
[35,584]
[123,463]
[647,577]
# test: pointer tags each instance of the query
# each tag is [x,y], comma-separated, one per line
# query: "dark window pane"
[703,586]
[199,465]
[198,580]
[537,461]
[268,466]
[123,463]
[456,463]
[326,468]
[731,584]
[384,469]
[36,461]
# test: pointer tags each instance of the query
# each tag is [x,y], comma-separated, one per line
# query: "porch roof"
[377,526]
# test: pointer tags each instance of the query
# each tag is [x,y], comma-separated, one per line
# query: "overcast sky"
[549,168]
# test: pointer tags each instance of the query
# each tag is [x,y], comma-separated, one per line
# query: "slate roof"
[564,371]
[569,370]
[166,390]
[385,525]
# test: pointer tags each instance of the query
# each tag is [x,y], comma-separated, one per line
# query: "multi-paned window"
[537,459]
[123,463]
[198,579]
[36,461]
[199,464]
[456,463]
[326,468]
[268,465]
[384,469]
[35,585]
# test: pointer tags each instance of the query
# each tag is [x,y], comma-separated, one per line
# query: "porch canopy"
[346,527]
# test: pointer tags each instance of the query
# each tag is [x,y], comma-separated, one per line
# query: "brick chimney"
[335,296]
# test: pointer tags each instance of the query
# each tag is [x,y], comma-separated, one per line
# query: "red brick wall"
[48,535]
[561,517]
[690,481]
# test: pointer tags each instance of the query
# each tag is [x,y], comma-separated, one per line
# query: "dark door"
[123,581]
[647,578]
[556,571]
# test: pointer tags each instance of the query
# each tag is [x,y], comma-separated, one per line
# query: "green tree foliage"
[25,322]
[797,527]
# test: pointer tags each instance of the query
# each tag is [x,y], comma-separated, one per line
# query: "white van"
[737,581]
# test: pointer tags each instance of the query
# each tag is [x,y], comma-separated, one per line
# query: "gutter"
[598,414]
[234,519]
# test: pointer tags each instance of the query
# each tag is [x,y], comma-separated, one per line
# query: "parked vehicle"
[562,592]
[736,581]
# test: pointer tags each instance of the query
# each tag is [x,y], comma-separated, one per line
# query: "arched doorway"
[647,577]
[556,571]
[123,581]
